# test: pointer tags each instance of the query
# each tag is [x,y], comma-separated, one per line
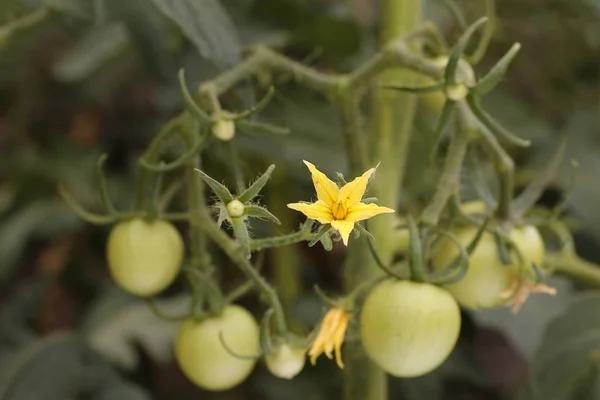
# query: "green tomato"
[286,362]
[409,328]
[487,277]
[202,357]
[144,257]
[435,100]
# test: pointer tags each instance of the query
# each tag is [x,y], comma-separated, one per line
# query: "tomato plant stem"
[571,265]
[393,120]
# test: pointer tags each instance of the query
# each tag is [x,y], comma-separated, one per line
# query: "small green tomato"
[436,100]
[224,129]
[286,362]
[144,257]
[409,328]
[235,208]
[486,277]
[202,357]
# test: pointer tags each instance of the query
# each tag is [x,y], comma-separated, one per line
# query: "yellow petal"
[352,192]
[344,227]
[338,339]
[360,211]
[318,211]
[327,191]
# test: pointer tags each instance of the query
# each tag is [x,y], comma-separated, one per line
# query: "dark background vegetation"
[100,77]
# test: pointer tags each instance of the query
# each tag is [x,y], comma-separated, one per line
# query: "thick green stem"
[577,268]
[394,113]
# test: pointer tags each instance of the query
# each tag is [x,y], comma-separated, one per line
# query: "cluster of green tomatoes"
[408,328]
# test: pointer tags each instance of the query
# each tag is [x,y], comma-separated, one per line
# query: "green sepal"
[369,200]
[326,242]
[504,253]
[486,35]
[257,186]
[361,229]
[200,140]
[443,122]
[81,212]
[260,212]
[218,189]
[257,107]
[415,252]
[262,126]
[341,180]
[233,353]
[495,127]
[188,100]
[417,89]
[323,230]
[104,194]
[450,72]
[495,75]
[460,262]
[534,191]
[324,297]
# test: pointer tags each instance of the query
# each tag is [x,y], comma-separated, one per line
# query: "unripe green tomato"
[435,100]
[286,362]
[144,257]
[202,357]
[224,129]
[409,328]
[487,277]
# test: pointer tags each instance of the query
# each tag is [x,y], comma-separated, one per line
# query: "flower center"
[338,210]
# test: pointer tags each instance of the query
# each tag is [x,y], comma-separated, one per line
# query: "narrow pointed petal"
[352,192]
[361,211]
[344,227]
[318,211]
[327,190]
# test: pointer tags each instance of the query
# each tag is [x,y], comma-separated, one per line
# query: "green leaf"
[495,75]
[257,186]
[260,212]
[39,219]
[569,353]
[49,368]
[207,25]
[92,52]
[220,190]
[116,321]
[150,32]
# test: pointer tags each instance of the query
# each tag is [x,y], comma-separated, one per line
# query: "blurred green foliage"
[99,76]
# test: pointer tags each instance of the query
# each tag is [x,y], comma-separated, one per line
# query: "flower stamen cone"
[340,207]
[519,290]
[330,336]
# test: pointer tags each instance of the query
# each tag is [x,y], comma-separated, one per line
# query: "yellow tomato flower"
[340,207]
[330,336]
[519,290]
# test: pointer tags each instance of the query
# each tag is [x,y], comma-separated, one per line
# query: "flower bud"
[224,129]
[287,362]
[235,208]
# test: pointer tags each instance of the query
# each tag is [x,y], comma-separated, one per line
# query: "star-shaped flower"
[340,207]
[331,336]
[519,290]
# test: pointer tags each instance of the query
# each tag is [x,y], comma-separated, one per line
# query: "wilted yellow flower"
[519,290]
[340,207]
[330,336]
